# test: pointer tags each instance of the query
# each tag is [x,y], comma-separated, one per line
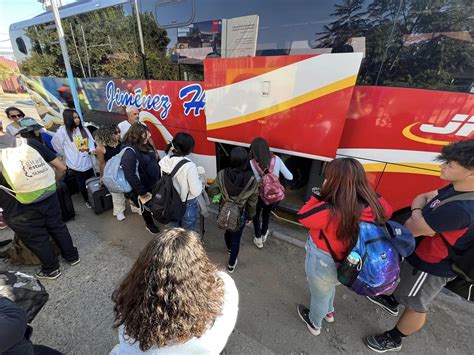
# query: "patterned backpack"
[271,190]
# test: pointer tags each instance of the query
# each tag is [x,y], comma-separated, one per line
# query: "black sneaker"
[388,303]
[75,262]
[303,312]
[231,268]
[153,229]
[40,274]
[382,343]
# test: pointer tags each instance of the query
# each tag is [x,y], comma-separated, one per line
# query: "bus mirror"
[21,45]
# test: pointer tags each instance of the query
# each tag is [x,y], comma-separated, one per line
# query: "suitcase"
[71,182]
[100,198]
[65,201]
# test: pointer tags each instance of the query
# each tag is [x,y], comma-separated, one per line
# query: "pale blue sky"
[12,11]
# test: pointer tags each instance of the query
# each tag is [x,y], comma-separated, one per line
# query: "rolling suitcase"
[71,182]
[100,198]
[65,201]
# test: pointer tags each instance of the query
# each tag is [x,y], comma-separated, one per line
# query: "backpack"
[230,212]
[114,177]
[25,290]
[166,205]
[29,175]
[271,190]
[379,271]
[462,264]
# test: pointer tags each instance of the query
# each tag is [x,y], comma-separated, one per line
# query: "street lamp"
[53,5]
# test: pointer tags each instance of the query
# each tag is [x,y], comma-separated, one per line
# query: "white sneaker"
[120,217]
[265,236]
[258,242]
[135,209]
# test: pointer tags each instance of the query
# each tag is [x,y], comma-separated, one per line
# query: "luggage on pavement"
[71,182]
[65,201]
[100,198]
[19,253]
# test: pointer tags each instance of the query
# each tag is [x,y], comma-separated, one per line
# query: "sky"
[12,11]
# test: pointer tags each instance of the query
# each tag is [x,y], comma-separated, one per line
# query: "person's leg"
[58,230]
[235,242]
[45,350]
[81,177]
[29,226]
[228,239]
[266,211]
[118,201]
[191,215]
[411,321]
[256,219]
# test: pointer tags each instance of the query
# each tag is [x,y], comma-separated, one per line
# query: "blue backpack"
[114,177]
[380,248]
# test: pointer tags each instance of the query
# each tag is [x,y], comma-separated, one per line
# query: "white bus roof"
[72,9]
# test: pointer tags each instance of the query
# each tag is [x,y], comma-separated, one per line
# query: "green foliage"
[6,72]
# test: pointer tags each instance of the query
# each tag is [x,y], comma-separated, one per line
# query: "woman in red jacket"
[346,199]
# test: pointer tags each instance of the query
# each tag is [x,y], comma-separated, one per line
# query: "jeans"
[265,210]
[35,225]
[321,273]
[81,177]
[232,240]
[191,215]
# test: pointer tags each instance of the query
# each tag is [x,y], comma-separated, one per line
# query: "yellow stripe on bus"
[325,90]
[414,168]
[407,133]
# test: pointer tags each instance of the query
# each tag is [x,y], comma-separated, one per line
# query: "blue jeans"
[321,273]
[232,240]
[191,215]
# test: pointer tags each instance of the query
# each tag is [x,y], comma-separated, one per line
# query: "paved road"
[78,317]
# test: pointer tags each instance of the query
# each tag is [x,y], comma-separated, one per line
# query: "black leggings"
[81,177]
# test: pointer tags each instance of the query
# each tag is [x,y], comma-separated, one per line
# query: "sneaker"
[329,317]
[153,229]
[231,268]
[120,217]
[303,312]
[88,205]
[258,242]
[228,251]
[265,236]
[40,274]
[135,209]
[382,343]
[75,262]
[387,303]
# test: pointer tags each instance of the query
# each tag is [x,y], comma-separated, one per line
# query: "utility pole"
[62,43]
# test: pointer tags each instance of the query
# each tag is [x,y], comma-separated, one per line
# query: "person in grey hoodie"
[235,181]
[186,180]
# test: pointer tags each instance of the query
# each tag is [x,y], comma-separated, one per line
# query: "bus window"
[172,13]
[21,45]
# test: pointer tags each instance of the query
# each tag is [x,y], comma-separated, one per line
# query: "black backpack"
[166,205]
[461,263]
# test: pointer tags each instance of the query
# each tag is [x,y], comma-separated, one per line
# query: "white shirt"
[124,126]
[280,167]
[186,179]
[75,160]
[212,341]
[12,130]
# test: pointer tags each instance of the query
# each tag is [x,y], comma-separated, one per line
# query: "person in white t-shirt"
[132,117]
[174,300]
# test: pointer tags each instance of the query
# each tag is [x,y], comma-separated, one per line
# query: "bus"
[386,82]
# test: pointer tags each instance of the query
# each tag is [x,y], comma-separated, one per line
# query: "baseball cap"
[28,124]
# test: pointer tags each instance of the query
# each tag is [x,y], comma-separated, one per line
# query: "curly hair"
[107,135]
[171,294]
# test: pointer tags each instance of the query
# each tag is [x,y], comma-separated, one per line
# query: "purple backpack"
[271,190]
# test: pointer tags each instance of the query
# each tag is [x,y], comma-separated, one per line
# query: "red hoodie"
[316,216]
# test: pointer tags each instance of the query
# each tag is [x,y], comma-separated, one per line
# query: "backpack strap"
[272,164]
[257,167]
[466,196]
[331,250]
[178,166]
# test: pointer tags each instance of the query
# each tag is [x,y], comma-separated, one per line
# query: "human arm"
[252,201]
[58,141]
[284,170]
[194,182]
[100,155]
[129,165]
[91,141]
[59,168]
[13,324]
[313,214]
[416,223]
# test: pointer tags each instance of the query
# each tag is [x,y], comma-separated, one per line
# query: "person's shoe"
[75,262]
[388,305]
[382,343]
[303,312]
[120,217]
[231,268]
[135,209]
[40,274]
[265,236]
[258,242]
[153,229]
[329,317]
[228,251]
[88,205]
[5,242]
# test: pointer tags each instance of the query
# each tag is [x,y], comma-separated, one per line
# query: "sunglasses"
[16,116]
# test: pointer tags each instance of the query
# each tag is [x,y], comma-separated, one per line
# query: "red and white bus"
[388,83]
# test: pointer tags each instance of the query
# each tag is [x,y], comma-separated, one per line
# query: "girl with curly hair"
[174,299]
[108,143]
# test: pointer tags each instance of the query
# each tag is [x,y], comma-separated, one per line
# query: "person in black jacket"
[142,152]
[15,333]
